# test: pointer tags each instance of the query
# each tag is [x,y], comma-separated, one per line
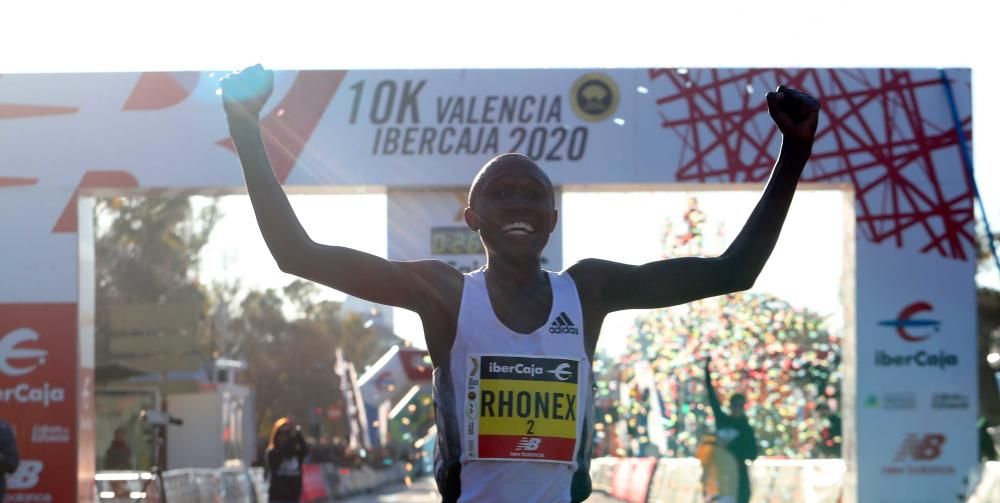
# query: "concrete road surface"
[423,491]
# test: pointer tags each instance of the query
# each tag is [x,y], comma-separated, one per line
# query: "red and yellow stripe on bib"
[523,408]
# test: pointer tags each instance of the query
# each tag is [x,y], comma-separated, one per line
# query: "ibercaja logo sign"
[37,396]
[916,324]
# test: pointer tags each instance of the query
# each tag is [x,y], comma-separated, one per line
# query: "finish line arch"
[888,133]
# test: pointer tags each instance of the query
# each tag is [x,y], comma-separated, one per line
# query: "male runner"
[735,431]
[511,344]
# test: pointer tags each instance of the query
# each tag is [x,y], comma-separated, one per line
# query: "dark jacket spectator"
[735,427]
[8,455]
[286,453]
[119,455]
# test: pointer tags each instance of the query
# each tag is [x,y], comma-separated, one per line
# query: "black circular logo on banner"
[594,97]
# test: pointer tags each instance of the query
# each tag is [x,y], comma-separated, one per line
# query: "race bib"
[522,408]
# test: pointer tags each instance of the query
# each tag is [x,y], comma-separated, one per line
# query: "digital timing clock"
[455,241]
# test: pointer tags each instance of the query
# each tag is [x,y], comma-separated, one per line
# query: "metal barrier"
[602,472]
[259,483]
[805,481]
[679,480]
[321,483]
[671,480]
[194,485]
[632,478]
[676,481]
[125,486]
[773,480]
[988,488]
[647,480]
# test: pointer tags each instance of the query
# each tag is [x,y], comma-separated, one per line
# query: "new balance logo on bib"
[563,325]
[529,444]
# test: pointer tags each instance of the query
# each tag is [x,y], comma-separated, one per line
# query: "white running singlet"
[514,411]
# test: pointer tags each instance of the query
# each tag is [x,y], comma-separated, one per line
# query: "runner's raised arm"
[614,286]
[403,284]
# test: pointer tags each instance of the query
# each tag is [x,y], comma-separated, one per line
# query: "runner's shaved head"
[500,163]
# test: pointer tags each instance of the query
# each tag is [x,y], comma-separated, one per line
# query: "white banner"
[916,375]
[427,128]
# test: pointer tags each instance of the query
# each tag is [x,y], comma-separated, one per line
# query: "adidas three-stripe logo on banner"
[563,325]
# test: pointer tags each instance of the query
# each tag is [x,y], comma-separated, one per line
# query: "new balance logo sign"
[920,447]
[563,325]
[528,444]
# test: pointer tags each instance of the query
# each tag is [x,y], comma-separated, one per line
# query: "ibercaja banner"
[38,374]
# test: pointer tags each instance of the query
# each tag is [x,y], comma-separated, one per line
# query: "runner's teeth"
[519,228]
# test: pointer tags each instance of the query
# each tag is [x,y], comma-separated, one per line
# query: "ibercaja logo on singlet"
[522,408]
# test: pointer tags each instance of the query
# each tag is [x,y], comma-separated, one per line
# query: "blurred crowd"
[786,361]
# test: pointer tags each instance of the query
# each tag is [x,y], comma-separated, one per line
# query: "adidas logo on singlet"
[563,325]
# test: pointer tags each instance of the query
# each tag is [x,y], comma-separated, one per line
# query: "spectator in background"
[321,452]
[987,451]
[734,430]
[338,451]
[783,359]
[719,471]
[8,455]
[830,435]
[119,455]
[286,451]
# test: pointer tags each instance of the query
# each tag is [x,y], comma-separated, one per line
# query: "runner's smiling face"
[513,208]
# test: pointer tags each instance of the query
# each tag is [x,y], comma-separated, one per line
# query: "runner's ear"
[555,220]
[471,219]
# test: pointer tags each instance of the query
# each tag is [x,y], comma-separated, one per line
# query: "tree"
[988,332]
[147,248]
[988,341]
[146,251]
[290,359]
